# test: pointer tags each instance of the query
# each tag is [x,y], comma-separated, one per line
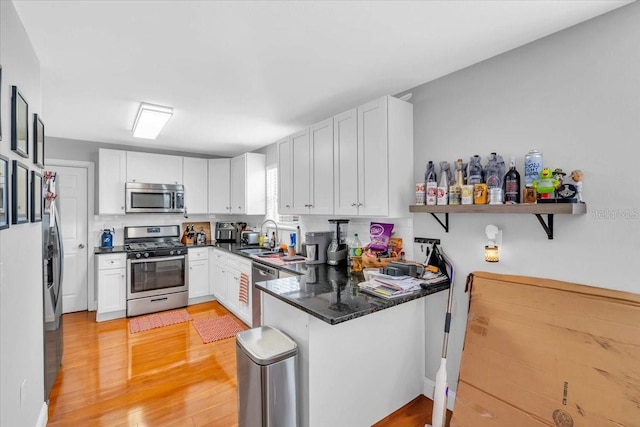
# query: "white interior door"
[71,186]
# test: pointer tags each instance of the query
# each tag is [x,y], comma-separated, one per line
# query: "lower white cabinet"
[227,279]
[112,286]
[198,264]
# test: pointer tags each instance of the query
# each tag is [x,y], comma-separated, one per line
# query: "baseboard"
[43,417]
[429,388]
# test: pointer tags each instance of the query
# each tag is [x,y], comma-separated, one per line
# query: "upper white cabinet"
[285,176]
[194,178]
[374,177]
[112,175]
[219,186]
[305,171]
[154,168]
[321,176]
[248,184]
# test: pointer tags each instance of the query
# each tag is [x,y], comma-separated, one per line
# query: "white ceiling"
[242,74]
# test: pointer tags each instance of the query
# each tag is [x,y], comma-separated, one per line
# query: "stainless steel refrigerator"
[53,257]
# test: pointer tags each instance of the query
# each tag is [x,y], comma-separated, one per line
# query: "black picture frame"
[19,193]
[36,197]
[19,123]
[4,192]
[0,102]
[38,141]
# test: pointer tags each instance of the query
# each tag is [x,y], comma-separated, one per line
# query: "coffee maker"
[338,249]
[317,243]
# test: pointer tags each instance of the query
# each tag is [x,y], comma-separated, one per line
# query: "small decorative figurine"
[546,185]
[577,176]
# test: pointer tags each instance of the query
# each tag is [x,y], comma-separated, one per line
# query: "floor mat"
[217,328]
[158,320]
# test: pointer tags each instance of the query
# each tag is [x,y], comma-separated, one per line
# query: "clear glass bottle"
[455,190]
[443,185]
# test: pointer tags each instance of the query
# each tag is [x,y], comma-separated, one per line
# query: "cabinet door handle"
[287,206]
[80,246]
[353,204]
[360,204]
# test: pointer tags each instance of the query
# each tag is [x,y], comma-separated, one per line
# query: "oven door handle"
[157,259]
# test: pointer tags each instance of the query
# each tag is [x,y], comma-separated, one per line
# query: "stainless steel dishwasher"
[259,273]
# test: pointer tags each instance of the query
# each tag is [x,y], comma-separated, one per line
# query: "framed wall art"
[19,123]
[4,193]
[19,193]
[0,103]
[36,197]
[38,141]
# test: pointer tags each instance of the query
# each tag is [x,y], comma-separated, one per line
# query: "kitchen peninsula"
[361,357]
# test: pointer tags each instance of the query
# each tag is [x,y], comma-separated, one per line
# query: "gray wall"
[575,95]
[21,320]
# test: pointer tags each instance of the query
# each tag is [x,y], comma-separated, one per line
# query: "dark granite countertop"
[98,250]
[332,295]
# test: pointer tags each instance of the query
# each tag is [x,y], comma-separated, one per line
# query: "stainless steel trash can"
[267,362]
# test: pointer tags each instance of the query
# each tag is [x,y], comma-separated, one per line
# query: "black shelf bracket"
[444,225]
[548,226]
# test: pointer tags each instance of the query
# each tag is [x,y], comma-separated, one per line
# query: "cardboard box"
[541,352]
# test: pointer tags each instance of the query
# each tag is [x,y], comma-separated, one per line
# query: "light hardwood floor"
[156,378]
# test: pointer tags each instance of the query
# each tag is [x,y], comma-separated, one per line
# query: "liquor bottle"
[431,184]
[474,175]
[455,191]
[443,186]
[512,183]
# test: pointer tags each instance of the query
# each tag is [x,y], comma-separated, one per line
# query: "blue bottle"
[106,240]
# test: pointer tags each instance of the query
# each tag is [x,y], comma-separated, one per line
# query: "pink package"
[380,234]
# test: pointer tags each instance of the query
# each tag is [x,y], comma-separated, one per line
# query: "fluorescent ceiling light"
[151,120]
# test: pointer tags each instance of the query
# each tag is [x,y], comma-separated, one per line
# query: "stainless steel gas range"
[157,273]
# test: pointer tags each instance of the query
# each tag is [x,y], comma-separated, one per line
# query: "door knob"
[81,246]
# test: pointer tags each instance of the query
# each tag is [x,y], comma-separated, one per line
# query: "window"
[272,199]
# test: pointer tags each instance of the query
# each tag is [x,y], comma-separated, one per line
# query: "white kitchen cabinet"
[248,184]
[154,168]
[198,263]
[219,186]
[374,172]
[321,168]
[305,171]
[228,270]
[285,177]
[112,286]
[112,176]
[196,186]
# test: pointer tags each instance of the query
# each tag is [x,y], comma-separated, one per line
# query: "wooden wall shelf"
[537,209]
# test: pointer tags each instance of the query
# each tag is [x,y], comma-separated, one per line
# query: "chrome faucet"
[275,225]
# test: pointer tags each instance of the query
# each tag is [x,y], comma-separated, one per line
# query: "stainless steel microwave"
[154,198]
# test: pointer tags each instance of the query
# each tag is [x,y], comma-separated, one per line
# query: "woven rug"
[157,320]
[217,328]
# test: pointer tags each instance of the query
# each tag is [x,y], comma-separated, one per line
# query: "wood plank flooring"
[164,377]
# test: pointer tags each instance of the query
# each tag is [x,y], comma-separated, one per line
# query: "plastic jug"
[106,239]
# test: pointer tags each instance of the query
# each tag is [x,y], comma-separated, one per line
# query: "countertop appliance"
[317,243]
[250,238]
[337,251]
[154,198]
[157,273]
[53,274]
[226,232]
